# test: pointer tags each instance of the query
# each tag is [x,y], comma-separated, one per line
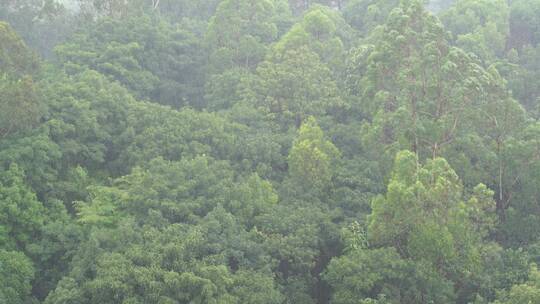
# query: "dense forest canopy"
[269,151]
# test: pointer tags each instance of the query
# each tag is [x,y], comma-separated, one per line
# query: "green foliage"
[355,276]
[37,155]
[437,100]
[299,236]
[59,238]
[151,263]
[503,268]
[522,154]
[41,23]
[183,191]
[430,196]
[21,213]
[524,23]
[15,58]
[321,30]
[522,76]
[192,133]
[16,274]
[155,60]
[424,217]
[291,86]
[196,9]
[365,15]
[479,26]
[298,76]
[238,37]
[86,110]
[312,158]
[528,292]
[20,106]
[239,32]
[421,92]
[382,276]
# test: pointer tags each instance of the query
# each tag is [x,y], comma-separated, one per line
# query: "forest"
[269,151]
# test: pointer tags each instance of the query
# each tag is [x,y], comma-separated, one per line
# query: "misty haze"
[269,151]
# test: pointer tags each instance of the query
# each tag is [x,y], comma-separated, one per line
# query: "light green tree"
[16,274]
[480,26]
[425,238]
[526,293]
[147,55]
[238,39]
[20,105]
[21,216]
[312,158]
[289,87]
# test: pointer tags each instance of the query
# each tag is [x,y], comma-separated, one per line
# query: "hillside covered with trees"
[269,152]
